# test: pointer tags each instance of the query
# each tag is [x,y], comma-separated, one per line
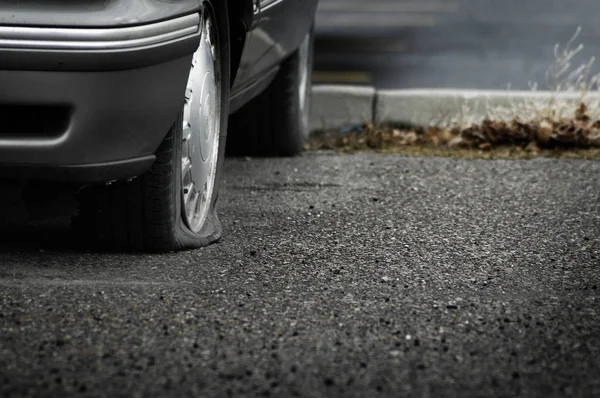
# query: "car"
[128,103]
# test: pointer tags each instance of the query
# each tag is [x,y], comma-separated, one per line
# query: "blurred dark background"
[483,44]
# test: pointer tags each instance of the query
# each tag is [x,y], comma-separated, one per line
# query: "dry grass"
[578,137]
[521,130]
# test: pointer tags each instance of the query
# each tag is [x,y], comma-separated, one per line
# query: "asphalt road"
[481,44]
[363,275]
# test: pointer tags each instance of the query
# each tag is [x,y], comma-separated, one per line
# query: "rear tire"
[276,123]
[151,213]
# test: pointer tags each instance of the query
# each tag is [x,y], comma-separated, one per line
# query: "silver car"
[129,100]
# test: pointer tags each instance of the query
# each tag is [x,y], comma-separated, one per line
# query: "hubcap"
[201,127]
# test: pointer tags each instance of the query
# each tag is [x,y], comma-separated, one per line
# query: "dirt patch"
[578,137]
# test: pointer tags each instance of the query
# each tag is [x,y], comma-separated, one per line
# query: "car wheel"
[276,123]
[173,206]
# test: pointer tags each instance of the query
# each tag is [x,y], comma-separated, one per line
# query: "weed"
[523,128]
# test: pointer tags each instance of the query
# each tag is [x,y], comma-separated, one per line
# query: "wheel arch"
[240,14]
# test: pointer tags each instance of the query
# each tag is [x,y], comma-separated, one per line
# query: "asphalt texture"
[360,275]
[478,44]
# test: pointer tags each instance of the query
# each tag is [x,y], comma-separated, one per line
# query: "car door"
[280,27]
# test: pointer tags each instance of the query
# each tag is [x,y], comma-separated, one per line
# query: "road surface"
[362,275]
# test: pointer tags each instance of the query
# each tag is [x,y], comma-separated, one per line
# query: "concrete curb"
[335,107]
[342,106]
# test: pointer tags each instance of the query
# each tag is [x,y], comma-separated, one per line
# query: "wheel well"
[239,12]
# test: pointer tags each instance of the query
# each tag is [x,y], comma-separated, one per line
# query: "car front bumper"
[93,104]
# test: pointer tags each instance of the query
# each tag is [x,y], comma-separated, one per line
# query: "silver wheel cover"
[201,127]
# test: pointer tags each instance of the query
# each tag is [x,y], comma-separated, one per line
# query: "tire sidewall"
[296,123]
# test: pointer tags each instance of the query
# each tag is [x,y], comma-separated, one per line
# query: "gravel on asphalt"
[357,275]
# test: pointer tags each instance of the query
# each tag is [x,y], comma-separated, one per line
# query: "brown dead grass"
[578,137]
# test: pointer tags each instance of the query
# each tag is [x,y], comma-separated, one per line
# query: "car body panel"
[92,13]
[271,40]
[114,124]
[98,49]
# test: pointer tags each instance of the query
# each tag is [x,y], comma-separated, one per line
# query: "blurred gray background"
[483,44]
